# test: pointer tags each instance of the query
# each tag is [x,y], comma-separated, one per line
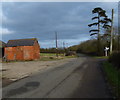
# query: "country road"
[79,78]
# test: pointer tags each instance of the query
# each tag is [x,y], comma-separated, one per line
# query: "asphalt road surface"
[79,78]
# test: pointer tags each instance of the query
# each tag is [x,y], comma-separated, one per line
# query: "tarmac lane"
[79,78]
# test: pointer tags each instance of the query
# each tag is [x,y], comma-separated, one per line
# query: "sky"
[41,20]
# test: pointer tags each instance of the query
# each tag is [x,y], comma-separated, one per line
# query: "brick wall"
[22,52]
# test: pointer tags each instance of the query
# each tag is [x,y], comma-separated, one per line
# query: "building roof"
[2,44]
[21,42]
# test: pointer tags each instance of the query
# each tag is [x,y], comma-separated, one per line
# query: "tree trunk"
[98,45]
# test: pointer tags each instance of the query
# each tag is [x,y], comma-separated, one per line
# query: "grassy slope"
[113,76]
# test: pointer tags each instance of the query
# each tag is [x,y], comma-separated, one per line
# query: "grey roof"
[21,42]
[2,44]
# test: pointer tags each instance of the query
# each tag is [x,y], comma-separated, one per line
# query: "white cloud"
[1,13]
[68,42]
[42,19]
[3,17]
[60,0]
[4,31]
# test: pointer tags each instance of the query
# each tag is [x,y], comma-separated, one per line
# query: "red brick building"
[22,49]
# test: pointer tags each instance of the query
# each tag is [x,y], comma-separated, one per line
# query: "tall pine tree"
[101,22]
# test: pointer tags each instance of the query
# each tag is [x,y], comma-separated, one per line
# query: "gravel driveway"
[18,70]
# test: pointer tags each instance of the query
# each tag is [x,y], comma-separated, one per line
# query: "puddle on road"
[29,86]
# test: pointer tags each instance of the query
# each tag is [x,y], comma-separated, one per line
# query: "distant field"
[52,56]
[46,57]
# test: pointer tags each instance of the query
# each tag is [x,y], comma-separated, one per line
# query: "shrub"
[70,53]
[114,58]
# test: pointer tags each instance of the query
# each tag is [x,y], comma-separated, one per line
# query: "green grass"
[71,56]
[49,57]
[101,57]
[113,76]
[47,54]
[52,56]
[46,57]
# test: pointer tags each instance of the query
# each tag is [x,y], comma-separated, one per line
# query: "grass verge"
[101,57]
[45,57]
[113,77]
[52,56]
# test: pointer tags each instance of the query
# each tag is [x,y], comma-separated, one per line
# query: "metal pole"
[64,48]
[118,26]
[118,42]
[63,45]
[56,44]
[111,39]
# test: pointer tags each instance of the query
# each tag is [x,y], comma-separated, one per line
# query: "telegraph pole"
[56,44]
[63,45]
[118,26]
[64,48]
[111,39]
[118,42]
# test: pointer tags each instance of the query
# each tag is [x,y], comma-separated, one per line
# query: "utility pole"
[63,45]
[56,44]
[64,48]
[111,39]
[118,42]
[118,27]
